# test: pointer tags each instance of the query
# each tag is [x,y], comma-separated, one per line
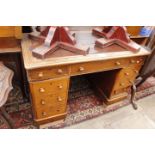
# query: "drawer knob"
[42,102]
[60,86]
[118,63]
[138,61]
[122,84]
[60,71]
[40,74]
[59,99]
[132,61]
[58,110]
[127,73]
[44,113]
[42,90]
[81,69]
[136,71]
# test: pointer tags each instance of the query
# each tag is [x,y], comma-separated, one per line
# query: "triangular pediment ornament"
[57,38]
[115,35]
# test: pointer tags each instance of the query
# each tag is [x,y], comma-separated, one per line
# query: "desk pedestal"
[113,86]
[49,86]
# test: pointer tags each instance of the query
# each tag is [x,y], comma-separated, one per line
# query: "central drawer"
[96,66]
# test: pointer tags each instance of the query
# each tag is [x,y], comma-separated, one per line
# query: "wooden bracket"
[115,35]
[55,38]
[113,32]
[132,46]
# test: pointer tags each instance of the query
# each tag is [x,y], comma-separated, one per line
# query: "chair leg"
[140,80]
[7,118]
[145,77]
[133,92]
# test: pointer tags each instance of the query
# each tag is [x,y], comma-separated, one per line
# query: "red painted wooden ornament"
[115,35]
[55,38]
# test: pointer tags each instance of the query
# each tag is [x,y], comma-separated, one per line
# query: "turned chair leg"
[133,92]
[7,117]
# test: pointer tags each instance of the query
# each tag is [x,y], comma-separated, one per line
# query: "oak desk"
[49,78]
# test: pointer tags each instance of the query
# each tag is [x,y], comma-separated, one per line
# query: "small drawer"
[51,106]
[136,61]
[127,76]
[119,91]
[44,112]
[49,87]
[47,73]
[51,101]
[131,73]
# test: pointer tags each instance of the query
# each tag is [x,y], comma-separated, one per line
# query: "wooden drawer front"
[127,77]
[136,61]
[49,87]
[83,68]
[44,113]
[49,106]
[89,67]
[48,98]
[119,91]
[47,73]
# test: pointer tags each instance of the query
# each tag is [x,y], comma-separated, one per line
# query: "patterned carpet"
[82,105]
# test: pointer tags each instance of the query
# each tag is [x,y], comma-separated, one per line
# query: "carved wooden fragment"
[113,32]
[6,76]
[56,38]
[115,35]
[132,46]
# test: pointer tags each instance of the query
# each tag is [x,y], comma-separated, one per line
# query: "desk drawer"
[136,61]
[50,101]
[126,77]
[49,87]
[47,73]
[49,106]
[89,67]
[120,91]
[44,113]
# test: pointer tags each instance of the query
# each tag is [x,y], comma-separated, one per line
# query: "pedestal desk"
[113,71]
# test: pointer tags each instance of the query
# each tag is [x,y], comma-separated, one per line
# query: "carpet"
[83,105]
